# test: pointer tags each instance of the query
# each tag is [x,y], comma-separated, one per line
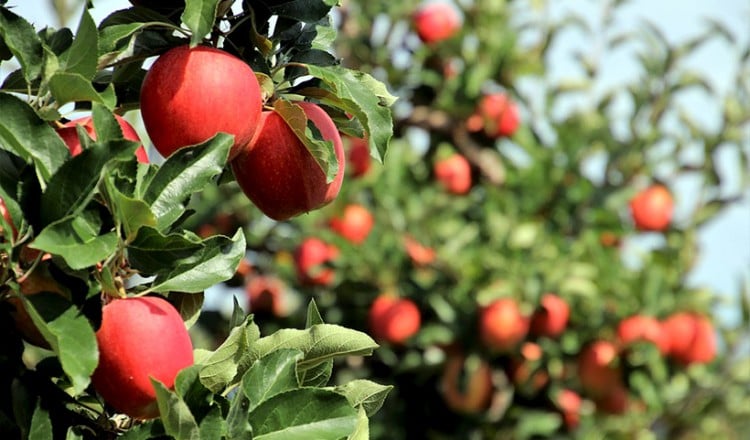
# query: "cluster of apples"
[685,337]
[191,94]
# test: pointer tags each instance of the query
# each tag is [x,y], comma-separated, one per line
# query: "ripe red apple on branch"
[551,317]
[497,115]
[312,259]
[652,208]
[466,386]
[354,224]
[69,135]
[279,174]
[691,338]
[598,367]
[643,328]
[436,22]
[502,326]
[190,95]
[358,157]
[454,173]
[394,319]
[139,338]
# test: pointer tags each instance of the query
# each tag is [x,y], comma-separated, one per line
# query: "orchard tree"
[499,274]
[102,276]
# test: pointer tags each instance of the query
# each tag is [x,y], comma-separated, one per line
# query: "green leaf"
[76,239]
[70,189]
[538,423]
[362,430]
[313,314]
[271,375]
[69,333]
[319,343]
[361,95]
[147,430]
[19,36]
[105,124]
[301,10]
[25,134]
[185,172]
[213,425]
[188,304]
[152,252]
[74,87]
[238,425]
[199,16]
[41,424]
[81,57]
[308,133]
[175,414]
[317,376]
[221,367]
[214,263]
[367,394]
[110,36]
[303,414]
[130,213]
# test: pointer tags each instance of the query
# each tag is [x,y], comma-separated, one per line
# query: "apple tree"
[523,255]
[102,275]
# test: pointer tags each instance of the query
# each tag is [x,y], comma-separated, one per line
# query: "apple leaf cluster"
[85,226]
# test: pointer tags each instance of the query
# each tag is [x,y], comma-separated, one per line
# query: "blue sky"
[724,262]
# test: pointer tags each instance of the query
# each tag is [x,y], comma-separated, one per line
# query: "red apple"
[643,328]
[69,135]
[360,160]
[613,401]
[280,175]
[265,294]
[692,338]
[393,319]
[551,317]
[652,208]
[466,386]
[454,173]
[436,22]
[497,114]
[139,338]
[420,255]
[312,259]
[597,367]
[190,95]
[355,224]
[569,403]
[501,324]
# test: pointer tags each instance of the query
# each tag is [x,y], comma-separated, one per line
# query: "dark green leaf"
[199,17]
[69,333]
[213,425]
[130,213]
[271,375]
[185,172]
[82,55]
[175,414]
[214,263]
[188,304]
[77,241]
[317,376]
[152,252]
[303,414]
[74,87]
[70,189]
[300,10]
[25,134]
[19,36]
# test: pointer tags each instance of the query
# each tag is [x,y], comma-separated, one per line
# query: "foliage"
[548,212]
[87,229]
